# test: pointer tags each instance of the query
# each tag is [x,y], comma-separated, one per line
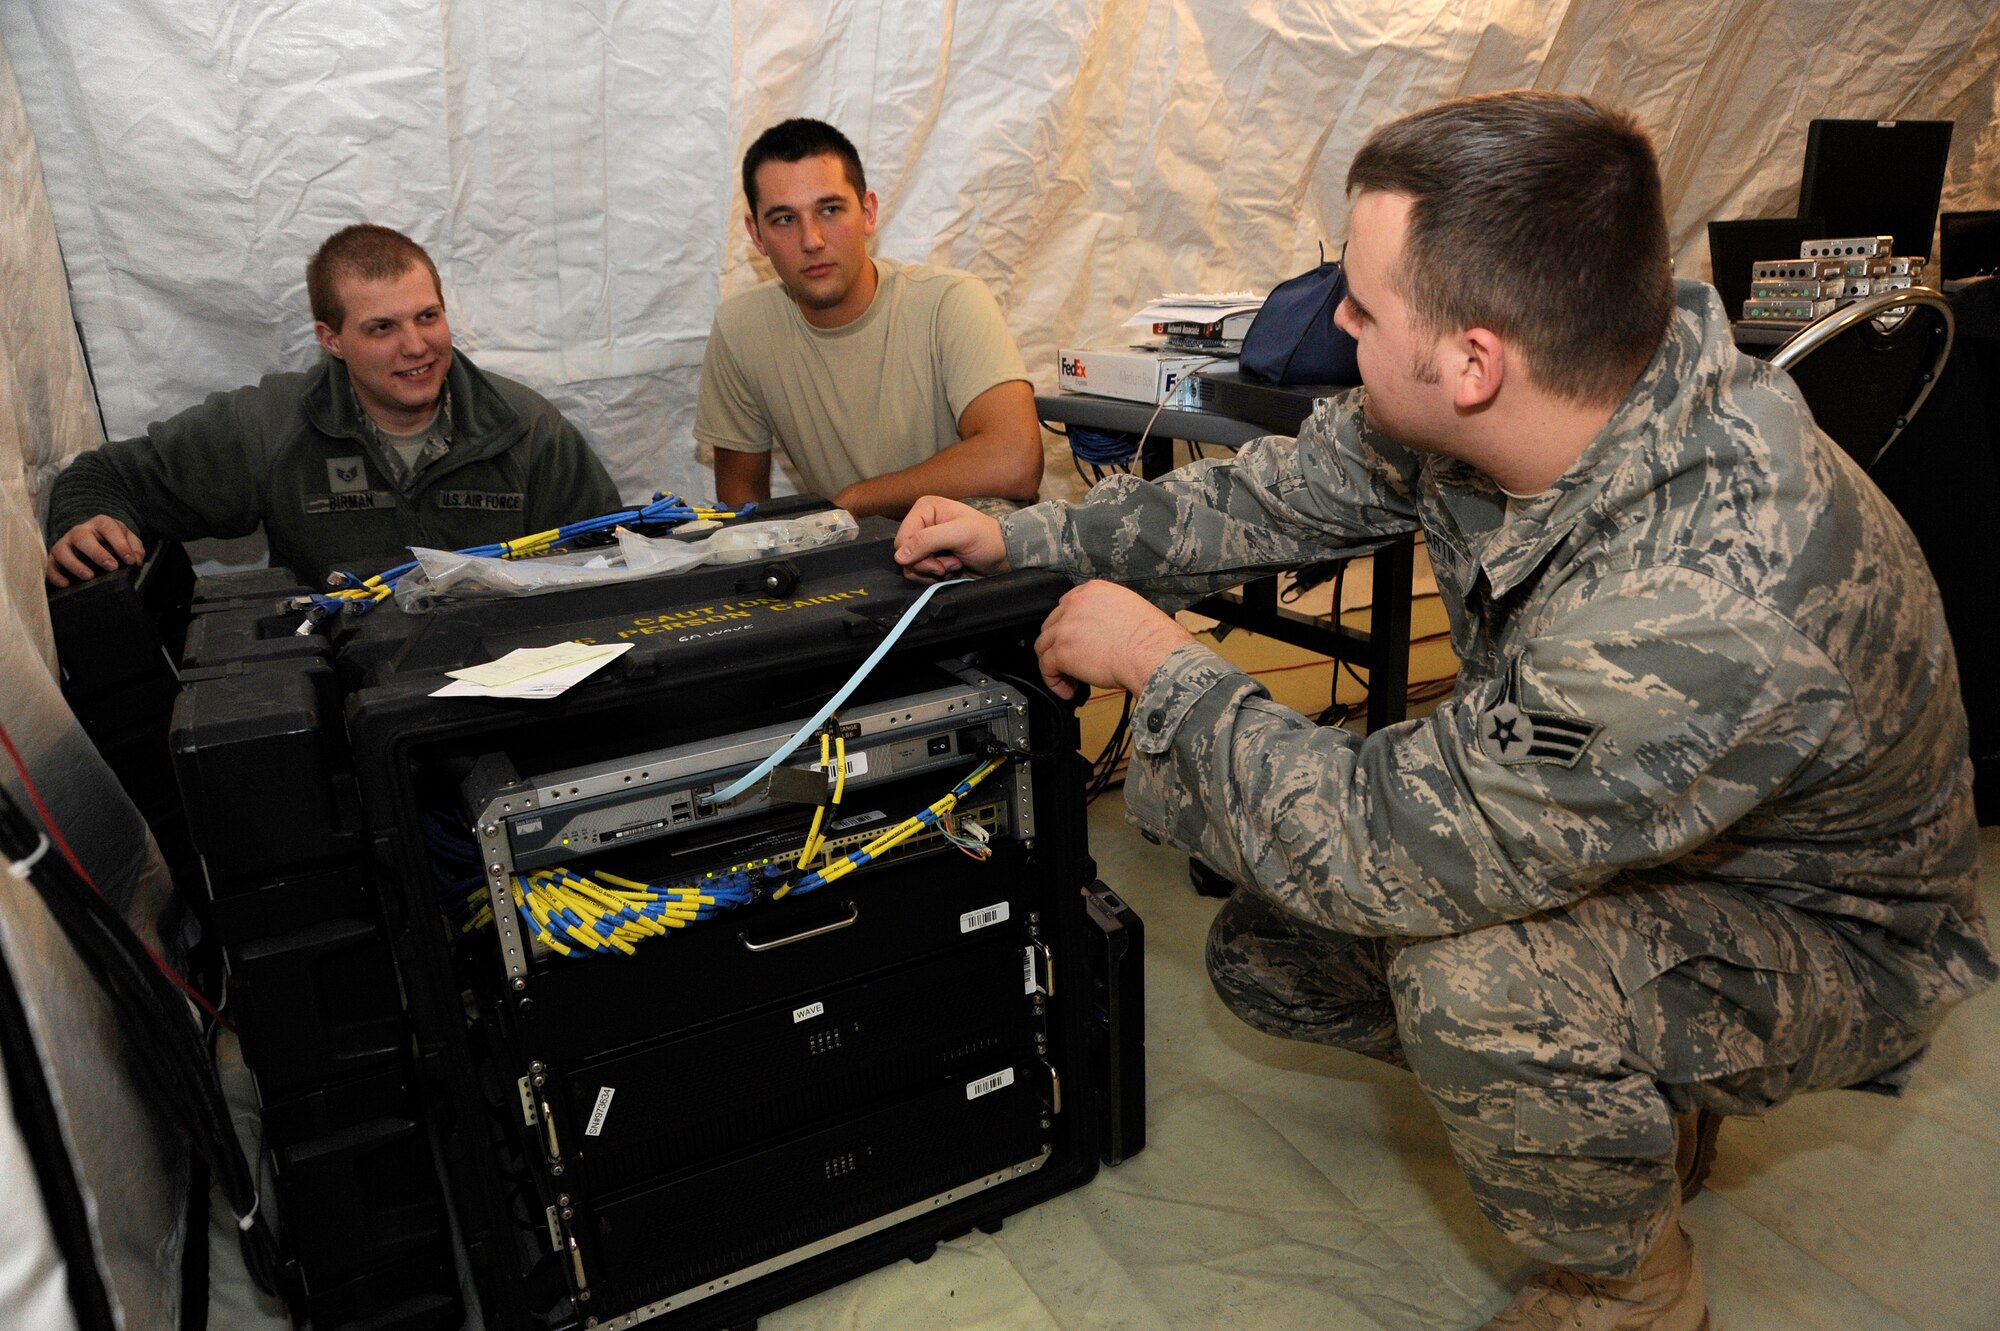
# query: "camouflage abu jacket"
[1710,651]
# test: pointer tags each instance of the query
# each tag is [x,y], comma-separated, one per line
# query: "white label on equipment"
[1028,985]
[988,1085]
[979,919]
[808,1012]
[596,1124]
[857,764]
[842,824]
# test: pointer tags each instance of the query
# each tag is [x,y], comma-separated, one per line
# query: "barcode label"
[988,1085]
[979,919]
[857,765]
[807,1012]
[1028,985]
[596,1124]
[842,824]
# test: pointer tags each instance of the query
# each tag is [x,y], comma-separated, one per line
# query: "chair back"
[1865,369]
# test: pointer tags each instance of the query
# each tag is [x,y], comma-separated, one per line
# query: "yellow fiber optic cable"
[583,887]
[539,910]
[525,544]
[689,893]
[819,814]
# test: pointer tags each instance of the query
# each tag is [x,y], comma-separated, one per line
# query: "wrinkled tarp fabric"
[132,1179]
[573,166]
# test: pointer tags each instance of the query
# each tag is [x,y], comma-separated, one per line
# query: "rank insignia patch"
[1511,734]
[345,475]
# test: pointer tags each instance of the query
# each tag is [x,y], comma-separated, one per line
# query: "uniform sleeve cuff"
[1034,536]
[1190,673]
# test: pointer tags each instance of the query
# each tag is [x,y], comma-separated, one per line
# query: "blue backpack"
[1293,339]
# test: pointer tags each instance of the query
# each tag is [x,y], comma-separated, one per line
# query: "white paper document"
[1177,308]
[532,672]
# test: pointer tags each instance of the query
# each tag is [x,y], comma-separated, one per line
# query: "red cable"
[62,844]
[48,819]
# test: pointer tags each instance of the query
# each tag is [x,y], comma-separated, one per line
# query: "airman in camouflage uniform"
[1693,830]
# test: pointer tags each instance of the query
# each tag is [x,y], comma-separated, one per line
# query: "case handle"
[853,914]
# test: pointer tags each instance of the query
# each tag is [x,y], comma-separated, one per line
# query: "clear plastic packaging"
[443,575]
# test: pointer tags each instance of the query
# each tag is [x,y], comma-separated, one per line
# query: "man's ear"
[328,338]
[868,207]
[756,240]
[1480,363]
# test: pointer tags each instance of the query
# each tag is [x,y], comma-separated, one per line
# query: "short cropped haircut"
[1539,216]
[794,141]
[369,252]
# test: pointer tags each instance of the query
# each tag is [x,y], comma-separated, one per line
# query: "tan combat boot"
[1666,1293]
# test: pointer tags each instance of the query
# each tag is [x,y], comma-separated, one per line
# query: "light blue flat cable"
[763,769]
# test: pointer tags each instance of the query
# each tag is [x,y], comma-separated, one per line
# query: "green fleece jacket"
[296,454]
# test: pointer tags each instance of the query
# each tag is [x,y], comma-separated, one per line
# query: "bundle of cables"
[576,914]
[601,912]
[939,811]
[169,1055]
[1119,449]
[832,758]
[970,839]
[455,872]
[357,595]
[1116,749]
[1101,448]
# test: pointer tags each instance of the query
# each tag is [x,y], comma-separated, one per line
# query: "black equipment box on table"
[676,1070]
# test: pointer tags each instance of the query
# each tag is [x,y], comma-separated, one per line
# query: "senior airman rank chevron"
[1510,734]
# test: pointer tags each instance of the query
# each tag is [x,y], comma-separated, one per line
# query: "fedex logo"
[1073,368]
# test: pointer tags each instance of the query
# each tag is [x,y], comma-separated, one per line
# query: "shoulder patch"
[1512,735]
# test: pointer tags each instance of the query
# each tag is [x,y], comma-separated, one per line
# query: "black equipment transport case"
[712,1117]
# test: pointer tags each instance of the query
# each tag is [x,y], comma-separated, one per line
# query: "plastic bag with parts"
[443,575]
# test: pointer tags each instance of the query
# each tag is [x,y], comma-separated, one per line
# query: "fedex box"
[1138,374]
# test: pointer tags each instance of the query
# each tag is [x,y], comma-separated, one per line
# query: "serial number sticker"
[808,1012]
[1028,985]
[596,1124]
[857,764]
[859,819]
[979,919]
[988,1085]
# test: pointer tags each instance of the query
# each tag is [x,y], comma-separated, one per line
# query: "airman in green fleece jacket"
[395,439]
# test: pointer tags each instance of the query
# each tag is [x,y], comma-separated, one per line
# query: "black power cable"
[41,1128]
[1115,748]
[168,1053]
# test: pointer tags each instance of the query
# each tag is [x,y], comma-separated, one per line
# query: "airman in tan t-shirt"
[881,381]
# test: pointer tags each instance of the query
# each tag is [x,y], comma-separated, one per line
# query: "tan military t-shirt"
[881,394]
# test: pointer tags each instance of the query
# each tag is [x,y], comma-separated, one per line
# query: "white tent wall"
[573,165]
[132,1176]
